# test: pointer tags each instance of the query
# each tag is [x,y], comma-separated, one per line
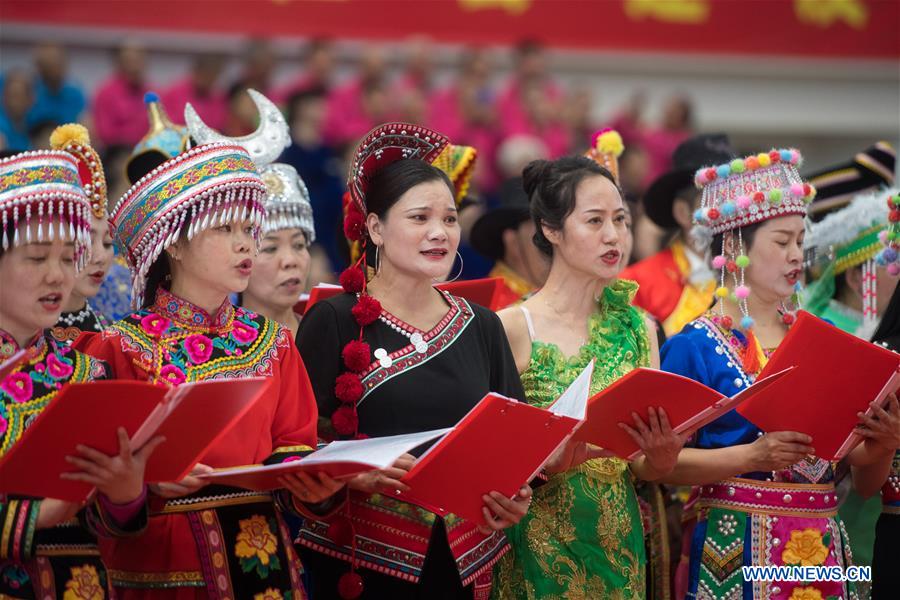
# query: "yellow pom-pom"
[764,159]
[610,142]
[722,292]
[64,135]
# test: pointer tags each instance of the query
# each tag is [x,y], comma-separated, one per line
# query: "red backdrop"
[827,28]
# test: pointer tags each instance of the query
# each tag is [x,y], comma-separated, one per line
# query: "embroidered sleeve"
[105,519]
[106,346]
[18,522]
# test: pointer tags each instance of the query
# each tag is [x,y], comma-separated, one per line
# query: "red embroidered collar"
[188,315]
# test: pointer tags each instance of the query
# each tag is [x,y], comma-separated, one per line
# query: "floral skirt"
[758,523]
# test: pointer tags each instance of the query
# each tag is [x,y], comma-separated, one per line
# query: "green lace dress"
[582,537]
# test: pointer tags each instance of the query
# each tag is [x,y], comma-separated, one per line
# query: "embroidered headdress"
[163,141]
[74,139]
[742,192]
[205,187]
[44,186]
[844,239]
[287,199]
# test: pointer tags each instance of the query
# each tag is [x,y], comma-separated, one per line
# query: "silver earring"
[461,265]
[377,259]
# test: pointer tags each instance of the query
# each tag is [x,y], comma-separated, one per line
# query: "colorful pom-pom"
[737,166]
[775,196]
[348,388]
[744,202]
[742,292]
[785,155]
[352,279]
[608,141]
[71,133]
[775,156]
[731,266]
[747,322]
[889,254]
[345,420]
[751,162]
[699,216]
[713,214]
[797,190]
[743,261]
[723,171]
[883,236]
[896,199]
[357,355]
[893,269]
[764,159]
[787,318]
[759,197]
[710,174]
[718,261]
[728,209]
[894,215]
[366,310]
[796,159]
[722,292]
[727,322]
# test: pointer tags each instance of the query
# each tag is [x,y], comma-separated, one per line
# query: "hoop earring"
[461,266]
[377,259]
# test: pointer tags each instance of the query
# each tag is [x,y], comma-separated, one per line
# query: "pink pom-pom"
[893,269]
[742,292]
[882,236]
[744,202]
[700,178]
[795,157]
[797,190]
[718,262]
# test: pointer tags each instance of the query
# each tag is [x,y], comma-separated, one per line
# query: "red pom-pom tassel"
[354,226]
[352,280]
[348,388]
[344,420]
[356,355]
[350,586]
[366,310]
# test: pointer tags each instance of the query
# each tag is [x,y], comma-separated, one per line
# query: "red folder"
[837,376]
[498,446]
[485,292]
[191,416]
[689,405]
[339,460]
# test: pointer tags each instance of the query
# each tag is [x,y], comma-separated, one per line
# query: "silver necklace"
[415,338]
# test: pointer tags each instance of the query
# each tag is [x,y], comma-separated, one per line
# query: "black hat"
[837,185]
[692,154]
[487,232]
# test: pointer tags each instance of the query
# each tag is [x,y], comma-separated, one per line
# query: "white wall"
[829,109]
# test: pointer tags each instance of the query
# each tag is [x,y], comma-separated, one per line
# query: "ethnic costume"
[375,375]
[74,139]
[676,284]
[582,536]
[787,517]
[849,238]
[218,542]
[63,560]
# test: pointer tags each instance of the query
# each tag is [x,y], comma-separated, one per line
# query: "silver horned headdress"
[287,199]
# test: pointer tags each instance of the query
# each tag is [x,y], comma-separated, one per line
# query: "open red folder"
[486,292]
[191,416]
[498,446]
[837,376]
[689,405]
[339,460]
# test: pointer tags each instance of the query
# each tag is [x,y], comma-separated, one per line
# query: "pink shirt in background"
[119,112]
[212,107]
[659,143]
